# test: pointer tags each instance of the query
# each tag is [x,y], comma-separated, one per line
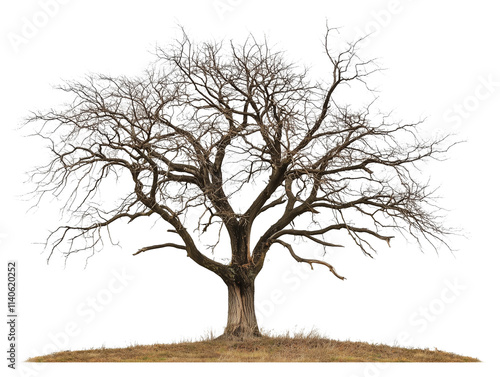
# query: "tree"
[206,122]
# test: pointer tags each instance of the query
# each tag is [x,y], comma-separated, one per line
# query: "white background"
[439,56]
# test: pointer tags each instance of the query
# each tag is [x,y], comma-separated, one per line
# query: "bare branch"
[176,246]
[309,261]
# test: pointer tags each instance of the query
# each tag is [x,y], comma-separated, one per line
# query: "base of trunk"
[241,319]
[241,336]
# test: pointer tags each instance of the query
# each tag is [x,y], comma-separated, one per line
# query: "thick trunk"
[241,319]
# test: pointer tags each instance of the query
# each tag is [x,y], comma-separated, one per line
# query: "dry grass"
[307,348]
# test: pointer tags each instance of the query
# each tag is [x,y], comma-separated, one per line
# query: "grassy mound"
[307,348]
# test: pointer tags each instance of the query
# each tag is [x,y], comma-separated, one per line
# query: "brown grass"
[307,348]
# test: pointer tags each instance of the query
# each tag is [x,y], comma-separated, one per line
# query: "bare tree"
[209,120]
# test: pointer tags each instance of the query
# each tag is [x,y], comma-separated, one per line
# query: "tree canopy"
[206,122]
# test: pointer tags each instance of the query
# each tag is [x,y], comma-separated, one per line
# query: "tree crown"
[210,121]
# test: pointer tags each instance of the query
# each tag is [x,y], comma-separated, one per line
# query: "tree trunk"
[241,319]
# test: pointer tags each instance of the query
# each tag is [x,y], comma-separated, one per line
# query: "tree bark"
[241,319]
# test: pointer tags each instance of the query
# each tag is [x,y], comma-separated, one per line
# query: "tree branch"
[309,261]
[159,247]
